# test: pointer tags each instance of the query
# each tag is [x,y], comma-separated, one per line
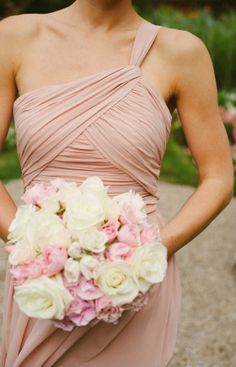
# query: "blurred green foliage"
[9,165]
[10,141]
[177,166]
[227,99]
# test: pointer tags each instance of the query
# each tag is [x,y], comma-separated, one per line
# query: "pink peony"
[81,312]
[130,215]
[150,233]
[78,305]
[106,311]
[130,235]
[72,287]
[110,228]
[87,290]
[38,192]
[27,270]
[119,251]
[53,259]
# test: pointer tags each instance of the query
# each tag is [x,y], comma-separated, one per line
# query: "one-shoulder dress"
[113,124]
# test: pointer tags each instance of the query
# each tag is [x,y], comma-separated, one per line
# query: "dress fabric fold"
[116,125]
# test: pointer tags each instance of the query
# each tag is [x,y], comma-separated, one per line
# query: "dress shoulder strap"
[145,37]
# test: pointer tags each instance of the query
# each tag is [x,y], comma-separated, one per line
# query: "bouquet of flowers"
[78,256]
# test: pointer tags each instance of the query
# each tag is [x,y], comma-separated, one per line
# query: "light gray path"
[207,329]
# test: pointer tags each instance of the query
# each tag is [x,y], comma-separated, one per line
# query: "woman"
[97,87]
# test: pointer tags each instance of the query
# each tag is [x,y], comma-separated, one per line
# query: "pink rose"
[110,228]
[53,259]
[36,193]
[72,287]
[106,311]
[150,233]
[87,290]
[27,270]
[130,215]
[77,305]
[129,234]
[86,316]
[119,251]
[81,312]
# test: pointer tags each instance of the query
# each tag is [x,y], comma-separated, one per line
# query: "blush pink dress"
[116,125]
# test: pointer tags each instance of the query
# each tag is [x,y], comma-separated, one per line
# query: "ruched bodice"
[113,124]
[116,125]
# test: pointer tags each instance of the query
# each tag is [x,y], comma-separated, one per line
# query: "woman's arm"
[7,97]
[196,99]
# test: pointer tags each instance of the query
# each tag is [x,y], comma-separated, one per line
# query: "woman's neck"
[104,14]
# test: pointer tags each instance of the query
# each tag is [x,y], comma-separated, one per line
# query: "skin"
[178,66]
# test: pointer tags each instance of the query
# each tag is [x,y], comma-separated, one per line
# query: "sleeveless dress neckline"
[93,75]
[155,92]
[132,65]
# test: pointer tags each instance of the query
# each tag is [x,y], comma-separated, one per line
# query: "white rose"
[18,225]
[88,267]
[95,184]
[149,264]
[50,204]
[74,250]
[133,199]
[21,252]
[92,240]
[47,228]
[112,210]
[66,191]
[116,281]
[83,211]
[43,298]
[72,270]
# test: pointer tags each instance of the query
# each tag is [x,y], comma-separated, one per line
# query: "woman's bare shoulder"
[20,29]
[17,27]
[180,45]
[16,33]
[185,56]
